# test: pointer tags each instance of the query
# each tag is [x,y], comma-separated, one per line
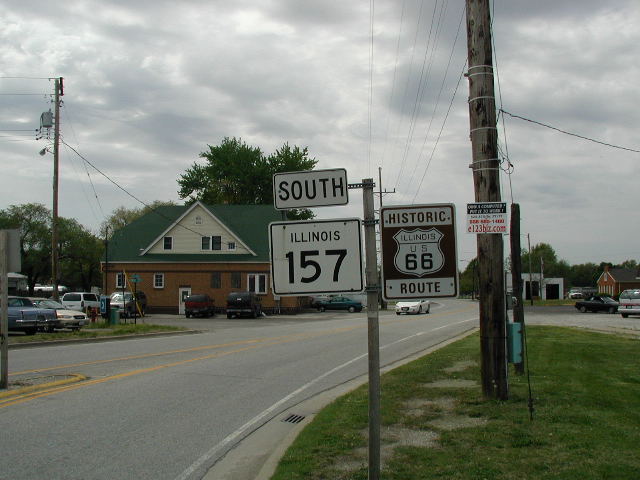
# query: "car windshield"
[49,304]
[608,300]
[117,297]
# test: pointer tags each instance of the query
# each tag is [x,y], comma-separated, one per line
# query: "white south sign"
[311,188]
[314,257]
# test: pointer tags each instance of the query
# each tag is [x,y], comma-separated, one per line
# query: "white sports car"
[413,306]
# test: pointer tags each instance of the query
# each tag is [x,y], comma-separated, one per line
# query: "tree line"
[543,259]
[232,173]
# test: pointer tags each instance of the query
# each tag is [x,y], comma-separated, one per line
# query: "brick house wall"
[200,278]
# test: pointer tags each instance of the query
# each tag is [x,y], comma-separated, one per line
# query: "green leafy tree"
[469,279]
[79,255]
[34,222]
[236,173]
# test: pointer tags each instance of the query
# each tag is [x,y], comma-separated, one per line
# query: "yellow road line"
[30,393]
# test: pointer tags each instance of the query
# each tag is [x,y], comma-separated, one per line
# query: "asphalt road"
[170,407]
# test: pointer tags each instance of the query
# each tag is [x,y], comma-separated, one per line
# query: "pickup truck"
[25,317]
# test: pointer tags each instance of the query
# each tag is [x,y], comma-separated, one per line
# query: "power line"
[154,210]
[568,133]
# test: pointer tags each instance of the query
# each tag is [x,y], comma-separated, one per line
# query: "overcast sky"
[149,84]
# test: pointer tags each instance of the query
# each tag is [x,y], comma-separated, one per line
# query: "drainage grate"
[293,418]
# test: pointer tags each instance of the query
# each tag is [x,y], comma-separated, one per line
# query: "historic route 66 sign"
[419,251]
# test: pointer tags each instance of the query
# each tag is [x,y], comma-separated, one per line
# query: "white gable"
[187,232]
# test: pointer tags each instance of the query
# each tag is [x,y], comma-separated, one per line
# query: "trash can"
[114,316]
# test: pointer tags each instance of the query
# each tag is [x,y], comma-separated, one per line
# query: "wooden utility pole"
[486,179]
[516,274]
[54,220]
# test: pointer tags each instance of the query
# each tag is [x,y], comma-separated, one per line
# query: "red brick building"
[615,280]
[181,250]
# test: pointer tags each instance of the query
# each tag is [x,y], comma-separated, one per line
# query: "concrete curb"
[68,341]
[257,455]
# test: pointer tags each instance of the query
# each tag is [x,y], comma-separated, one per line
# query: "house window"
[216,280]
[198,220]
[257,283]
[212,243]
[121,280]
[231,245]
[168,243]
[236,280]
[158,280]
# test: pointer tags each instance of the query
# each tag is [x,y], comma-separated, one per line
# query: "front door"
[183,293]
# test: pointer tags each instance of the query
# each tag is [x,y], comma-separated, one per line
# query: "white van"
[629,302]
[80,301]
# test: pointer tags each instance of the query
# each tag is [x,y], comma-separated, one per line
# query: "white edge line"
[232,436]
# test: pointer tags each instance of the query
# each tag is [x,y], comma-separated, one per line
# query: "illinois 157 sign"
[419,251]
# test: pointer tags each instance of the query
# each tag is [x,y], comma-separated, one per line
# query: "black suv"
[241,304]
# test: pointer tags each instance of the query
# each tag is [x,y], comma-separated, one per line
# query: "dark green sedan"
[339,303]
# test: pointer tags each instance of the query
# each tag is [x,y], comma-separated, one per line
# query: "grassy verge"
[95,330]
[437,425]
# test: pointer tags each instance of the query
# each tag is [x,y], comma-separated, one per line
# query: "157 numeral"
[307,261]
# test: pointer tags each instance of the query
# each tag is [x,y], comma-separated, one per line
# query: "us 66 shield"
[323,256]
[419,251]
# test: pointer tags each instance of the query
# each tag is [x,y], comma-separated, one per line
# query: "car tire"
[321,308]
[397,313]
[583,309]
[624,315]
[428,308]
[612,310]
[30,331]
[420,310]
[352,309]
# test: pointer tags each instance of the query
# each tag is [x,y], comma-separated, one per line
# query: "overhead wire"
[406,86]
[370,109]
[393,84]
[421,87]
[433,113]
[152,209]
[444,122]
[95,193]
[569,133]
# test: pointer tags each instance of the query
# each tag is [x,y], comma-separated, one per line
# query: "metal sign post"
[373,328]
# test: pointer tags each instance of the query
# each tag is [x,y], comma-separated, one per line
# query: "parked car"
[80,301]
[199,304]
[72,319]
[340,303]
[25,317]
[318,298]
[629,302]
[243,304]
[575,293]
[126,303]
[597,303]
[413,306]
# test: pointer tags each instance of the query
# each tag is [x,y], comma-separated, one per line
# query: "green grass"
[586,423]
[94,330]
